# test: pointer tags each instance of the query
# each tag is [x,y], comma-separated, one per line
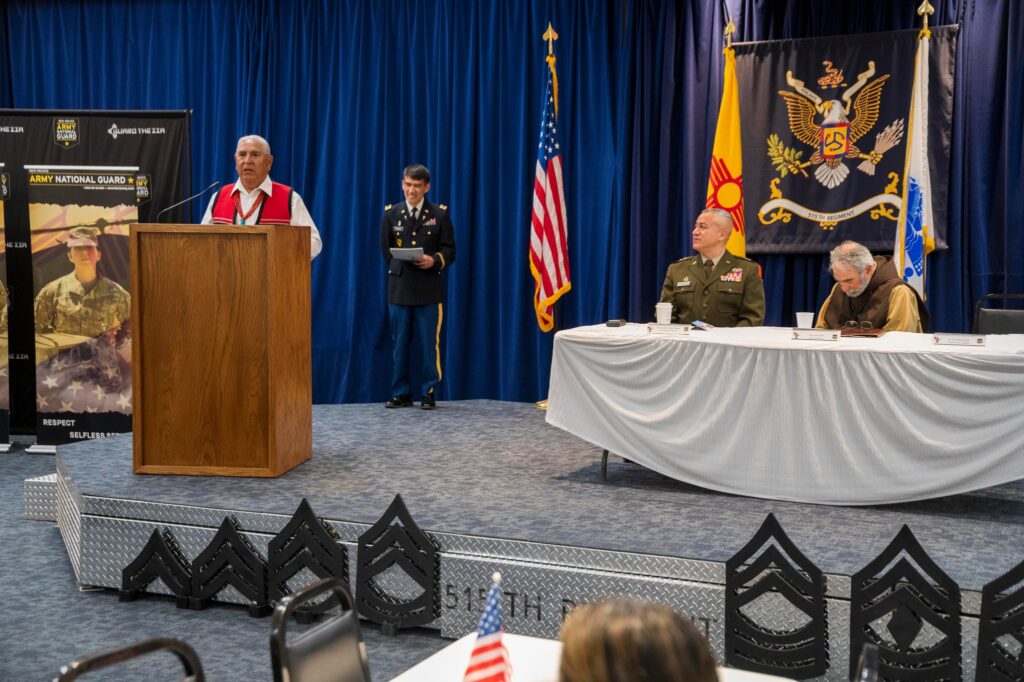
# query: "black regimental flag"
[825,127]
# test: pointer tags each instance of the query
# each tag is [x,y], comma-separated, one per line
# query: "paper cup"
[663,313]
[805,320]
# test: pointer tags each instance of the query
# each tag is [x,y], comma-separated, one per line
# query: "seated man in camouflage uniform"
[83,302]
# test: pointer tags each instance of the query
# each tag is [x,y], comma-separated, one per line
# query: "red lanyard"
[256,204]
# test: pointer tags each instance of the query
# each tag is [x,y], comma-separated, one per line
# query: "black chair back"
[998,320]
[186,654]
[330,651]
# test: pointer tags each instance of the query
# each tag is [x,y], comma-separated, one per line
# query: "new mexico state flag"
[725,180]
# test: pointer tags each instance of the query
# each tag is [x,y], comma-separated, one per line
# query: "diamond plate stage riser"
[537,596]
[41,498]
[108,545]
[449,543]
[837,586]
[69,516]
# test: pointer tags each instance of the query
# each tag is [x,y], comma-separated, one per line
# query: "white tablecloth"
[533,660]
[755,412]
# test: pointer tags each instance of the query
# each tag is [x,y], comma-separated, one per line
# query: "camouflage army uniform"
[64,306]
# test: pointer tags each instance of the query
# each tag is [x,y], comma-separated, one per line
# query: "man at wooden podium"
[255,199]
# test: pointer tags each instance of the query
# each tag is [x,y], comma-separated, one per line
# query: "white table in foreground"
[533,660]
[755,412]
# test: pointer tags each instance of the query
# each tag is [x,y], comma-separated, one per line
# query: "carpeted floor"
[475,467]
[46,621]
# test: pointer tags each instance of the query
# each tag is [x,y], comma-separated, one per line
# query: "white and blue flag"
[915,237]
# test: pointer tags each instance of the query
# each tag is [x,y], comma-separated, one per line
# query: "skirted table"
[756,412]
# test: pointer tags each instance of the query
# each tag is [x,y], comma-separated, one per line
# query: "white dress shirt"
[300,214]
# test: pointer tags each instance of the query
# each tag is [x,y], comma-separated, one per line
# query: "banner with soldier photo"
[78,219]
[5,393]
[76,180]
[825,123]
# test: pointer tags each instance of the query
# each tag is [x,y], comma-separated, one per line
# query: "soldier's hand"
[424,262]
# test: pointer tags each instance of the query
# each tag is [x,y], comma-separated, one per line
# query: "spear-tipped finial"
[551,37]
[925,10]
[730,28]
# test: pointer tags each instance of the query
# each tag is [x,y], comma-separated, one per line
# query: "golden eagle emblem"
[834,137]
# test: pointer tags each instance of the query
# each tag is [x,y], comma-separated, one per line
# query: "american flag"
[549,254]
[489,660]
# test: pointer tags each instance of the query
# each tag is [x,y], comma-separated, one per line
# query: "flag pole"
[550,37]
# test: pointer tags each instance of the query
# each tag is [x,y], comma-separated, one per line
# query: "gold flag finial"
[551,37]
[730,28]
[925,10]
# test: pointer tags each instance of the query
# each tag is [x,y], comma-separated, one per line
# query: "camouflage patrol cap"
[83,236]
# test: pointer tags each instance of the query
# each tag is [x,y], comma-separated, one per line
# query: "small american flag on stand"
[489,660]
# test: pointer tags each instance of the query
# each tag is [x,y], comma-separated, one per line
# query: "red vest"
[275,209]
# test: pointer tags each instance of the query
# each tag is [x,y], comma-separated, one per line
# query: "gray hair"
[262,142]
[851,255]
[721,213]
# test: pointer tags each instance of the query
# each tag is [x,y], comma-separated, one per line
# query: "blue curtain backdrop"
[348,92]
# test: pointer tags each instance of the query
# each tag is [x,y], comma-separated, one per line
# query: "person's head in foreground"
[628,640]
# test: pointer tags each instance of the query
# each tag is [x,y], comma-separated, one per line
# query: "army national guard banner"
[76,181]
[79,217]
[825,124]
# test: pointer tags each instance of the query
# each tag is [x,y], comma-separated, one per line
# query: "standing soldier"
[82,302]
[416,287]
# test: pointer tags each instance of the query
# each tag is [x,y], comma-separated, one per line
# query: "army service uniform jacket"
[408,284]
[733,296]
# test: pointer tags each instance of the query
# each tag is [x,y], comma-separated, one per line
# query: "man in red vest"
[256,199]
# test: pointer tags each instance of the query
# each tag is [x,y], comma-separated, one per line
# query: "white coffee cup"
[663,313]
[805,320]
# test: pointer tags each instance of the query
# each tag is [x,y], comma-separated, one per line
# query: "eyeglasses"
[853,324]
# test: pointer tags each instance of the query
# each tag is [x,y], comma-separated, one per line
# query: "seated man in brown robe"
[870,293]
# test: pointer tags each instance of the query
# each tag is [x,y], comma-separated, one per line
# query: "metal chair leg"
[604,466]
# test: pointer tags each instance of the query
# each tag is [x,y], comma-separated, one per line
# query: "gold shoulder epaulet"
[388,207]
[443,207]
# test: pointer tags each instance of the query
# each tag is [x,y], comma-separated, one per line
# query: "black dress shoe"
[428,403]
[404,400]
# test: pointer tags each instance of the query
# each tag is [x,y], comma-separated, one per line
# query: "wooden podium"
[221,368]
